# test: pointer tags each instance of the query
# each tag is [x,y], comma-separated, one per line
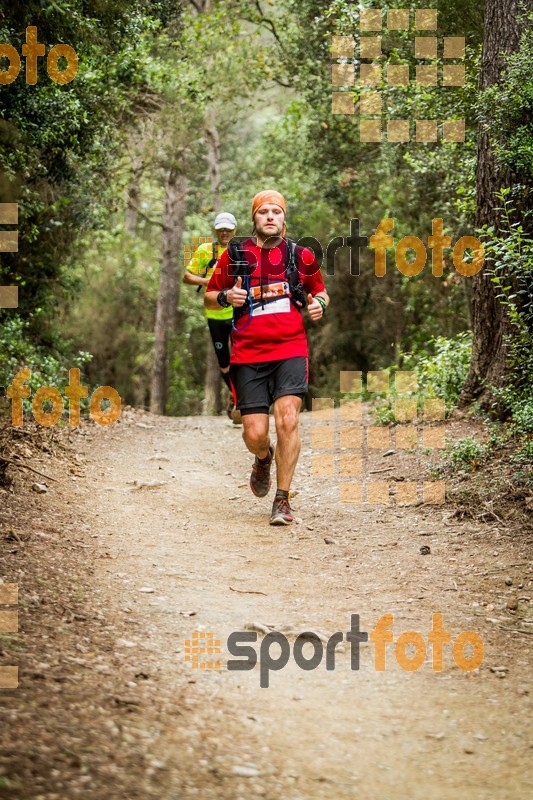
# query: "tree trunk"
[169,287]
[212,403]
[490,323]
[212,395]
[134,198]
[213,158]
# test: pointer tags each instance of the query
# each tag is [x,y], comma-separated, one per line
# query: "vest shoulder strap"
[292,274]
[239,268]
[213,260]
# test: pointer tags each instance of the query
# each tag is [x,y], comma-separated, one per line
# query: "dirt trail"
[202,543]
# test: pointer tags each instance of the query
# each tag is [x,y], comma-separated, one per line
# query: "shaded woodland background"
[180,110]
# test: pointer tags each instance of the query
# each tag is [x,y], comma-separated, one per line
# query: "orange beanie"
[269,196]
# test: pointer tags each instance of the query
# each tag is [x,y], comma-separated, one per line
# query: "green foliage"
[383,413]
[18,350]
[197,70]
[524,454]
[187,368]
[443,372]
[58,144]
[506,109]
[511,268]
[11,643]
[150,73]
[522,415]
[113,310]
[373,317]
[467,451]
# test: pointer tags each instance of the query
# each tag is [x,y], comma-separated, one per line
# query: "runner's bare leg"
[255,434]
[286,413]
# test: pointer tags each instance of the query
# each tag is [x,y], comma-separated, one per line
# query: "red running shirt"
[276,330]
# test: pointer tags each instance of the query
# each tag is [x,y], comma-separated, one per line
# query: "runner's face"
[269,220]
[225,234]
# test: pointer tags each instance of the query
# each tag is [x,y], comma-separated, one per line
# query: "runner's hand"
[237,296]
[314,308]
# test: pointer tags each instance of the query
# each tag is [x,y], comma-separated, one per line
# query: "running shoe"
[236,416]
[260,481]
[281,512]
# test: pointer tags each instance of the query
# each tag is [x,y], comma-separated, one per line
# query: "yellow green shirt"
[198,266]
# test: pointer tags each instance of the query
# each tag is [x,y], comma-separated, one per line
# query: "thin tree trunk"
[134,198]
[213,158]
[212,395]
[490,323]
[212,403]
[169,286]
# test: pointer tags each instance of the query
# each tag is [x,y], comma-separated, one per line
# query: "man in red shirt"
[269,357]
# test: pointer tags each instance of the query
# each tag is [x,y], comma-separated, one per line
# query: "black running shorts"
[257,386]
[220,330]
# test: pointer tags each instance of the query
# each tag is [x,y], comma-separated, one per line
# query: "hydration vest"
[239,268]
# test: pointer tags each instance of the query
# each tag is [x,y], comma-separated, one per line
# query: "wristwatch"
[222,299]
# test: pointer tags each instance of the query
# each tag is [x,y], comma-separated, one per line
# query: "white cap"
[225,220]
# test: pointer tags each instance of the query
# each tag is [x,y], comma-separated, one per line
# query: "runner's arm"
[219,281]
[210,301]
[324,295]
[196,270]
[235,295]
[314,286]
[315,307]
[194,280]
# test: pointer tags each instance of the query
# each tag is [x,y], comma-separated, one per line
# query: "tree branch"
[146,217]
[264,21]
[26,466]
[282,83]
[268,22]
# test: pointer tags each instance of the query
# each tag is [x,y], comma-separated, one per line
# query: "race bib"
[281,306]
[273,299]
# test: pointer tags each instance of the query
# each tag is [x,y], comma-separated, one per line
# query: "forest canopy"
[180,110]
